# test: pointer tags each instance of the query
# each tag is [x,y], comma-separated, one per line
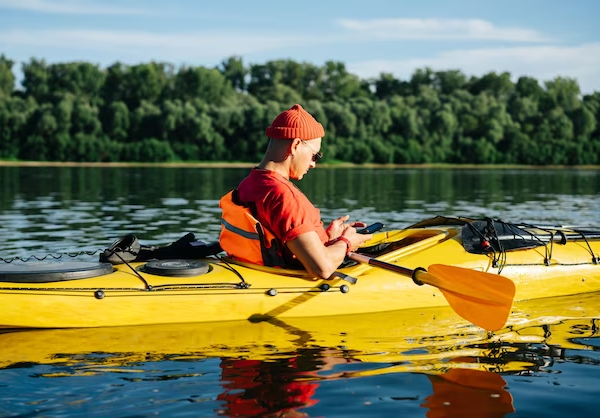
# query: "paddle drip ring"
[414,275]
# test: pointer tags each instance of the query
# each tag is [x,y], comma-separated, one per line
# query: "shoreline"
[321,165]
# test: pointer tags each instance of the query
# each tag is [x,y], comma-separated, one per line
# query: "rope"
[137,273]
[547,264]
[595,258]
[163,288]
[499,262]
[54,256]
[243,284]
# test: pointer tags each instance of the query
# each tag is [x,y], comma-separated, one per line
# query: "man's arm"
[319,260]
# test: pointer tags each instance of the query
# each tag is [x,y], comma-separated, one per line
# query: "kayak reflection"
[289,386]
[275,366]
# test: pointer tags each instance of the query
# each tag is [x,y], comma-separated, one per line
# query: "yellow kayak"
[468,264]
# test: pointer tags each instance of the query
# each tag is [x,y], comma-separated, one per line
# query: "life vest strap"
[239,231]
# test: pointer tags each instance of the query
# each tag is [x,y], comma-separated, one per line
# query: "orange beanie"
[295,123]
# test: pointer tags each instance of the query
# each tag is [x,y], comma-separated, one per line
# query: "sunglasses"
[316,155]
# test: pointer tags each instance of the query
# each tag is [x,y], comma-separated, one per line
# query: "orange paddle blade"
[484,299]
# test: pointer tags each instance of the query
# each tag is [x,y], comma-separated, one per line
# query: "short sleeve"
[292,217]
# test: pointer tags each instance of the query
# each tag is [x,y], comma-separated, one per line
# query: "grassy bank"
[223,164]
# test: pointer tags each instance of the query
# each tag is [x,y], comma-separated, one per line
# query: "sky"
[538,38]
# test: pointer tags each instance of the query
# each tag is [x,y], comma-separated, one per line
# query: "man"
[268,220]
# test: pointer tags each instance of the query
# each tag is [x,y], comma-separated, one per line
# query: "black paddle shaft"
[387,266]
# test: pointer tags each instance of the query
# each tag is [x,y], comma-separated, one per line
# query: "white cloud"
[544,63]
[439,29]
[77,7]
[188,46]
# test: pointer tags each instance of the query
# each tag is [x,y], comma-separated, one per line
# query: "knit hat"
[295,123]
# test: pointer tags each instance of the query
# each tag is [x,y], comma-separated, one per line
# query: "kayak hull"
[403,340]
[231,291]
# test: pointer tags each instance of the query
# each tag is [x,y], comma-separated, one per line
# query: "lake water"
[366,365]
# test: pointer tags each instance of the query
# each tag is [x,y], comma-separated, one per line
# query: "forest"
[156,112]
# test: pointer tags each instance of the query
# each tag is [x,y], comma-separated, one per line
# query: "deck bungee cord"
[491,241]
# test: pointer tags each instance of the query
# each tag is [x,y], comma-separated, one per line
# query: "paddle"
[484,299]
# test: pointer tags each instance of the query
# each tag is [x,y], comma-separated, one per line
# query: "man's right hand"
[355,238]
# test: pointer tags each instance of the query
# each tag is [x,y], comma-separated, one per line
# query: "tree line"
[154,112]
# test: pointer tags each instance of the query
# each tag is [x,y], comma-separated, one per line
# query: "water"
[386,364]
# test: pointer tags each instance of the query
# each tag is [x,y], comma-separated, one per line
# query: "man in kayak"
[267,220]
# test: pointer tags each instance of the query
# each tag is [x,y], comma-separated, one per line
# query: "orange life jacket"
[244,238]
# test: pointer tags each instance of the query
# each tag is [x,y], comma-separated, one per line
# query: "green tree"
[116,121]
[7,78]
[153,150]
[447,82]
[145,122]
[35,80]
[85,119]
[206,84]
[136,84]
[387,86]
[148,112]
[338,84]
[529,87]
[234,71]
[15,124]
[59,143]
[80,79]
[499,85]
[383,153]
[562,92]
[341,121]
[421,77]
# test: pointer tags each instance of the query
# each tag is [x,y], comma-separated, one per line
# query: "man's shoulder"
[269,182]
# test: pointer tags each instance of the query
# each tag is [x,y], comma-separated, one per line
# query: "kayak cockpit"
[383,246]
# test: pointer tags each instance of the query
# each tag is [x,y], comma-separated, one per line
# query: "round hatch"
[41,272]
[175,268]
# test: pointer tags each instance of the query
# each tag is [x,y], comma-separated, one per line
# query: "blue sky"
[539,38]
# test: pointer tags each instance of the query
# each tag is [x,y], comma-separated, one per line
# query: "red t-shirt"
[280,205]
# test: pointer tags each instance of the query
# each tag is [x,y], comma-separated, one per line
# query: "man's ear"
[296,142]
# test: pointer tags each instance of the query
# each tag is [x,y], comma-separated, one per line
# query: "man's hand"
[339,225]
